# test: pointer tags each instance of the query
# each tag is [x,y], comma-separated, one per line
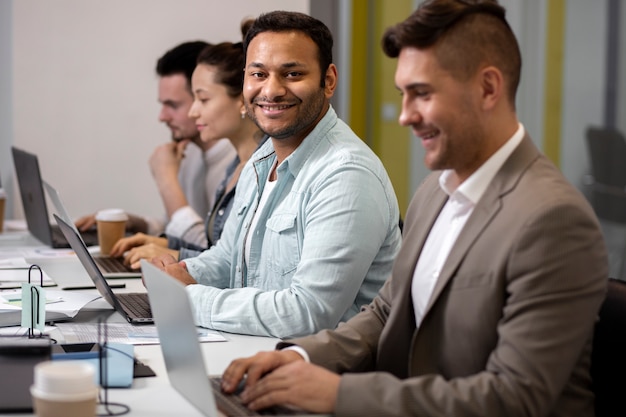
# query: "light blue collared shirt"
[323,246]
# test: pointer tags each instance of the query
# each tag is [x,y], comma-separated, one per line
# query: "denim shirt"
[323,246]
[222,208]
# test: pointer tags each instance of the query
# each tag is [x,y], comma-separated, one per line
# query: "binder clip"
[34,305]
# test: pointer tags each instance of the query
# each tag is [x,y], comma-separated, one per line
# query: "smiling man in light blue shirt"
[314,227]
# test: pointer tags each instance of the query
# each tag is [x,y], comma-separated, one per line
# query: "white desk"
[153,396]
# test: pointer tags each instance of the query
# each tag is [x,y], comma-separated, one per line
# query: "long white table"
[154,396]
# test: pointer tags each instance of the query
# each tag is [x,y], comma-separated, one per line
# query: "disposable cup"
[111,224]
[64,389]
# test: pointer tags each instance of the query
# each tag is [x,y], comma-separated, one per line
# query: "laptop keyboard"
[137,303]
[58,239]
[90,237]
[231,404]
[108,264]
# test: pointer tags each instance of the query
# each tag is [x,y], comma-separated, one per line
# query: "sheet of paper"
[31,252]
[14,263]
[59,305]
[16,225]
[18,276]
[124,333]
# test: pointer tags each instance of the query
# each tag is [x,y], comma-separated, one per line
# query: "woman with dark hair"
[219,111]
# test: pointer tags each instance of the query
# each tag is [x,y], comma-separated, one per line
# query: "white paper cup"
[64,389]
[111,225]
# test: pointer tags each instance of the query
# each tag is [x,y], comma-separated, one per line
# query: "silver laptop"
[34,202]
[134,307]
[181,350]
[110,267]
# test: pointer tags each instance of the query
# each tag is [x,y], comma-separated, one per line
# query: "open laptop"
[109,266]
[134,307]
[34,202]
[181,350]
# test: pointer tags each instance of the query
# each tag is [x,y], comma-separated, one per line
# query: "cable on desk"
[103,400]
[124,409]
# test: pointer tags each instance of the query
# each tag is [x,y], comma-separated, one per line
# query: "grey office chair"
[607,152]
[608,359]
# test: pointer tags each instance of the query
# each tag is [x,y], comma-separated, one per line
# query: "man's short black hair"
[180,60]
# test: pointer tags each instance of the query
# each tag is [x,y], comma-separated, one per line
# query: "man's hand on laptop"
[174,268]
[149,251]
[139,239]
[86,222]
[283,378]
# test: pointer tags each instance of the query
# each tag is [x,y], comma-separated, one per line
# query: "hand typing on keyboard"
[282,378]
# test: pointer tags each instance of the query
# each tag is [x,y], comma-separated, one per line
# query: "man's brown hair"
[467,34]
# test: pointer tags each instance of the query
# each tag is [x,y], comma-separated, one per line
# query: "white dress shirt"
[451,220]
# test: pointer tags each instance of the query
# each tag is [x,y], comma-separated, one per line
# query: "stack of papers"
[60,305]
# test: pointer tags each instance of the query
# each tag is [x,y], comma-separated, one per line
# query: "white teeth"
[275,107]
[428,135]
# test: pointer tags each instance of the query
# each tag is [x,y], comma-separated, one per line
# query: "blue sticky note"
[33,307]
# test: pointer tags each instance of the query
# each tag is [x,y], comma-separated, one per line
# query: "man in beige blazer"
[493,297]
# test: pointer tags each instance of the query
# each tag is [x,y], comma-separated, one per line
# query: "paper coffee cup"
[3,199]
[64,389]
[111,224]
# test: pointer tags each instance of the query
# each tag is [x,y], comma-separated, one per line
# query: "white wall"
[84,93]
[77,86]
[6,118]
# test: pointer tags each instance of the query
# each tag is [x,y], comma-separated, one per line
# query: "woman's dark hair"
[229,60]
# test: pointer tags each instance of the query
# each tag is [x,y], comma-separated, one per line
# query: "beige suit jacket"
[507,331]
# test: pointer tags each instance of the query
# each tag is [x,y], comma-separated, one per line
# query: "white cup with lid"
[64,389]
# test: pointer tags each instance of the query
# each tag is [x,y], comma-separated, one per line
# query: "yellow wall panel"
[358,77]
[553,92]
[375,102]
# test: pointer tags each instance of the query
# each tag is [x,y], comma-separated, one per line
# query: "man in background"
[187,170]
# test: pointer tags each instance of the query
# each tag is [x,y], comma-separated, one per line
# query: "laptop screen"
[88,263]
[33,197]
[179,338]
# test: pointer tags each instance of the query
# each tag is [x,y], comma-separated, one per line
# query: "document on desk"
[13,262]
[60,305]
[13,278]
[15,258]
[13,253]
[123,333]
